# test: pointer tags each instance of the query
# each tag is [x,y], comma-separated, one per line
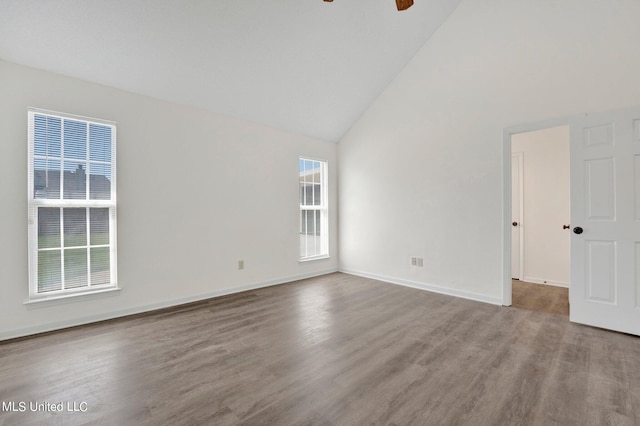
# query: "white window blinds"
[72,204]
[314,236]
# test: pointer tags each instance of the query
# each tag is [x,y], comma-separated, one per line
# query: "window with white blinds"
[314,235]
[72,205]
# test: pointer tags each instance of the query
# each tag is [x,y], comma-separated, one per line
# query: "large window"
[314,235]
[72,205]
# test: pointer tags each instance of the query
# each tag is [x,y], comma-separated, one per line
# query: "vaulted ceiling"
[304,66]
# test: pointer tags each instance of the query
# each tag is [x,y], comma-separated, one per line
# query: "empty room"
[319,212]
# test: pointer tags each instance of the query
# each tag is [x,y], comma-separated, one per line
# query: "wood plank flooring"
[332,350]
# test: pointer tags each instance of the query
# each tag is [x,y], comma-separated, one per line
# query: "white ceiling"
[305,66]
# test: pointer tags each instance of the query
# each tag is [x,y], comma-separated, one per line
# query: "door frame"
[506,196]
[520,201]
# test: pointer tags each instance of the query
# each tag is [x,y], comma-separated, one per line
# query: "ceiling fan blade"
[404,4]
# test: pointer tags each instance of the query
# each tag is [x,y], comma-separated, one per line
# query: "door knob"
[566,226]
[514,223]
[577,230]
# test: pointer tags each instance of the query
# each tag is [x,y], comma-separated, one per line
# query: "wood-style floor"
[540,298]
[337,349]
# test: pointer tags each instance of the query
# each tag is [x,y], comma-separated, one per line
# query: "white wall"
[421,172]
[546,204]
[196,192]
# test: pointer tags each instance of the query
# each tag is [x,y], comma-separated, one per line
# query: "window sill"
[310,259]
[70,297]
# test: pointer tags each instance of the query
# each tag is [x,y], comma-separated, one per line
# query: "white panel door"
[605,220]
[517,162]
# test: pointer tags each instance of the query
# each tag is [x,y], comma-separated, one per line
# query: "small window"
[72,205]
[314,233]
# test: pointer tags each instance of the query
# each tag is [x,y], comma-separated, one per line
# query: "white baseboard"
[27,331]
[535,280]
[425,286]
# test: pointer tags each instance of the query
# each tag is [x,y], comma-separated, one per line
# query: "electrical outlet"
[240,264]
[414,261]
[420,261]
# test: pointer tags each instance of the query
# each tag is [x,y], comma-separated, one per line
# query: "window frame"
[33,204]
[323,208]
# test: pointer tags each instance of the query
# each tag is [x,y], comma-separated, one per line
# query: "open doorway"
[539,207]
[604,199]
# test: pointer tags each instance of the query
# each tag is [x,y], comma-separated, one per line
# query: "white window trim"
[324,208]
[33,204]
